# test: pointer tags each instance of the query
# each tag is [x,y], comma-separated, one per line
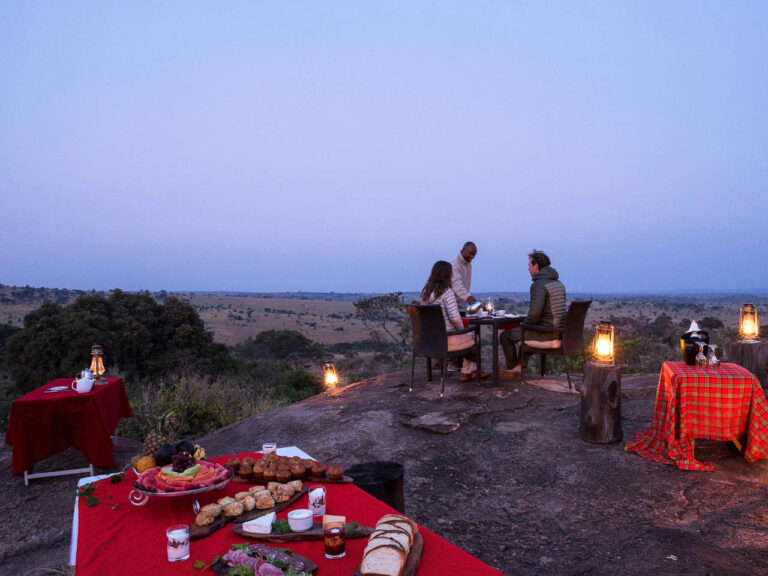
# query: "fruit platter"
[183,477]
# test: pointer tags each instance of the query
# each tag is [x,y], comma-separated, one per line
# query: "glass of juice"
[333,537]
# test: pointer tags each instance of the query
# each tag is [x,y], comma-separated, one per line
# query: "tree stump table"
[750,355]
[600,421]
[382,480]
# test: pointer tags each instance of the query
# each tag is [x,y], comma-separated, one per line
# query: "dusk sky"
[347,146]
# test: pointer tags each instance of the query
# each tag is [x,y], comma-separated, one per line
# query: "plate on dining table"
[58,389]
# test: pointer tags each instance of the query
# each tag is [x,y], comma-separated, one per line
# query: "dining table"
[117,538]
[496,322]
[55,417]
[723,403]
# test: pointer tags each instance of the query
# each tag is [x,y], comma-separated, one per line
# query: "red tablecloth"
[131,540]
[41,424]
[716,404]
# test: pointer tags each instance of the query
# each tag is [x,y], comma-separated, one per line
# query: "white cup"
[483,313]
[268,448]
[501,312]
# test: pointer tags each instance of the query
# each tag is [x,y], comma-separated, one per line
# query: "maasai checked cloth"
[713,403]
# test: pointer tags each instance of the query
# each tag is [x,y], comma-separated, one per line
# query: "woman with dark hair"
[438,290]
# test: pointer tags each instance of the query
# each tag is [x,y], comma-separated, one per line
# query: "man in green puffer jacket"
[547,307]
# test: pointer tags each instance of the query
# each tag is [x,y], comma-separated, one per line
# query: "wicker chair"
[565,341]
[430,341]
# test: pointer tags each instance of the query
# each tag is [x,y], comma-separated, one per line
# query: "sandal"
[473,375]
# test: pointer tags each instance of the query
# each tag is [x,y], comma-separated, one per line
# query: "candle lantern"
[330,374]
[97,361]
[604,343]
[489,306]
[749,326]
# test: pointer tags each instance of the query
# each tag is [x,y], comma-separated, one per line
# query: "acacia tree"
[387,316]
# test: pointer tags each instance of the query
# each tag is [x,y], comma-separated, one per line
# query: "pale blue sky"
[346,146]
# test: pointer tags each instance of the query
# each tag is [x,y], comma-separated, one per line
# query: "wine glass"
[701,360]
[713,361]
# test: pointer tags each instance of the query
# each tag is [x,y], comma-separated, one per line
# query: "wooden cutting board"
[221,568]
[413,560]
[196,532]
[311,479]
[314,533]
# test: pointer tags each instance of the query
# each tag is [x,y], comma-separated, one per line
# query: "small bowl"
[300,520]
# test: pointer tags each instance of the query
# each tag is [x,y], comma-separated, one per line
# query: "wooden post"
[750,355]
[601,404]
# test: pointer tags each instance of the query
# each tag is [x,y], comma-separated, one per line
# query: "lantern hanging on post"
[604,343]
[749,326]
[97,362]
[331,377]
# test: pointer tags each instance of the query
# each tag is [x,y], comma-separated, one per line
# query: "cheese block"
[330,518]
[260,525]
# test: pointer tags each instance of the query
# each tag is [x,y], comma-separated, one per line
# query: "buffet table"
[42,423]
[117,538]
[722,403]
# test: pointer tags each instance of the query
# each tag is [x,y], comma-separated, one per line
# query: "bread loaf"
[388,546]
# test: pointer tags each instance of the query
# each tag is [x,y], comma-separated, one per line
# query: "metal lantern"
[97,361]
[604,343]
[331,377]
[749,326]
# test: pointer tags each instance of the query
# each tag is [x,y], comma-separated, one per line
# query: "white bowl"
[300,520]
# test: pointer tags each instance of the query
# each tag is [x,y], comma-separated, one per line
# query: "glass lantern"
[331,377]
[97,361]
[604,343]
[749,326]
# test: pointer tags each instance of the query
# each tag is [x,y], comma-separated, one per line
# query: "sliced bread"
[383,561]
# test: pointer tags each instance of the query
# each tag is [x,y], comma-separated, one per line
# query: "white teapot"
[82,385]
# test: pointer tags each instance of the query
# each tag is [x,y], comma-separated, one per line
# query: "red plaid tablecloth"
[715,404]
[120,539]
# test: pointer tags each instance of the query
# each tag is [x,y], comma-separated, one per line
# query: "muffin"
[233,464]
[318,470]
[270,475]
[257,474]
[271,457]
[248,461]
[298,472]
[283,475]
[335,472]
[245,472]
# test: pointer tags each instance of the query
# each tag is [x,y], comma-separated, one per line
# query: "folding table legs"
[28,476]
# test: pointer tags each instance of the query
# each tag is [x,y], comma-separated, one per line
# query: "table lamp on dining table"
[97,363]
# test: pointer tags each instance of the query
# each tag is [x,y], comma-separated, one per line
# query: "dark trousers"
[509,340]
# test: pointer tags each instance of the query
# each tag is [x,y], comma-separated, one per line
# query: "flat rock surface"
[499,471]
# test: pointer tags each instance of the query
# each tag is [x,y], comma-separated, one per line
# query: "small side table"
[600,421]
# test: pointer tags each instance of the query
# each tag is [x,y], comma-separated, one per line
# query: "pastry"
[226,500]
[248,461]
[254,489]
[296,485]
[245,471]
[283,475]
[233,509]
[204,517]
[298,472]
[264,500]
[318,470]
[335,472]
[233,464]
[249,502]
[270,475]
[214,509]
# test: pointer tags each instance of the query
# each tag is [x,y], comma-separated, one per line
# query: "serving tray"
[196,532]
[314,533]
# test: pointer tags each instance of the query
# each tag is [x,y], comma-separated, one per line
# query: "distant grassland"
[233,318]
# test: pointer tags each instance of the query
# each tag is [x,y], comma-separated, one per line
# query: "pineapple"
[162,433]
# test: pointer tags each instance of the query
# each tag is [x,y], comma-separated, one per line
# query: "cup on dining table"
[317,500]
[501,312]
[268,448]
[178,542]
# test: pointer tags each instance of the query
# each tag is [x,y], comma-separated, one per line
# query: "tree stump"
[601,404]
[750,355]
[382,480]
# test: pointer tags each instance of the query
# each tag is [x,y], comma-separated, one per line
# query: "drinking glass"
[317,500]
[178,542]
[712,360]
[268,448]
[701,359]
[334,540]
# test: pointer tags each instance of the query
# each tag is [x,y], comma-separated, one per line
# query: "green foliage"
[6,331]
[387,313]
[711,323]
[279,344]
[140,338]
